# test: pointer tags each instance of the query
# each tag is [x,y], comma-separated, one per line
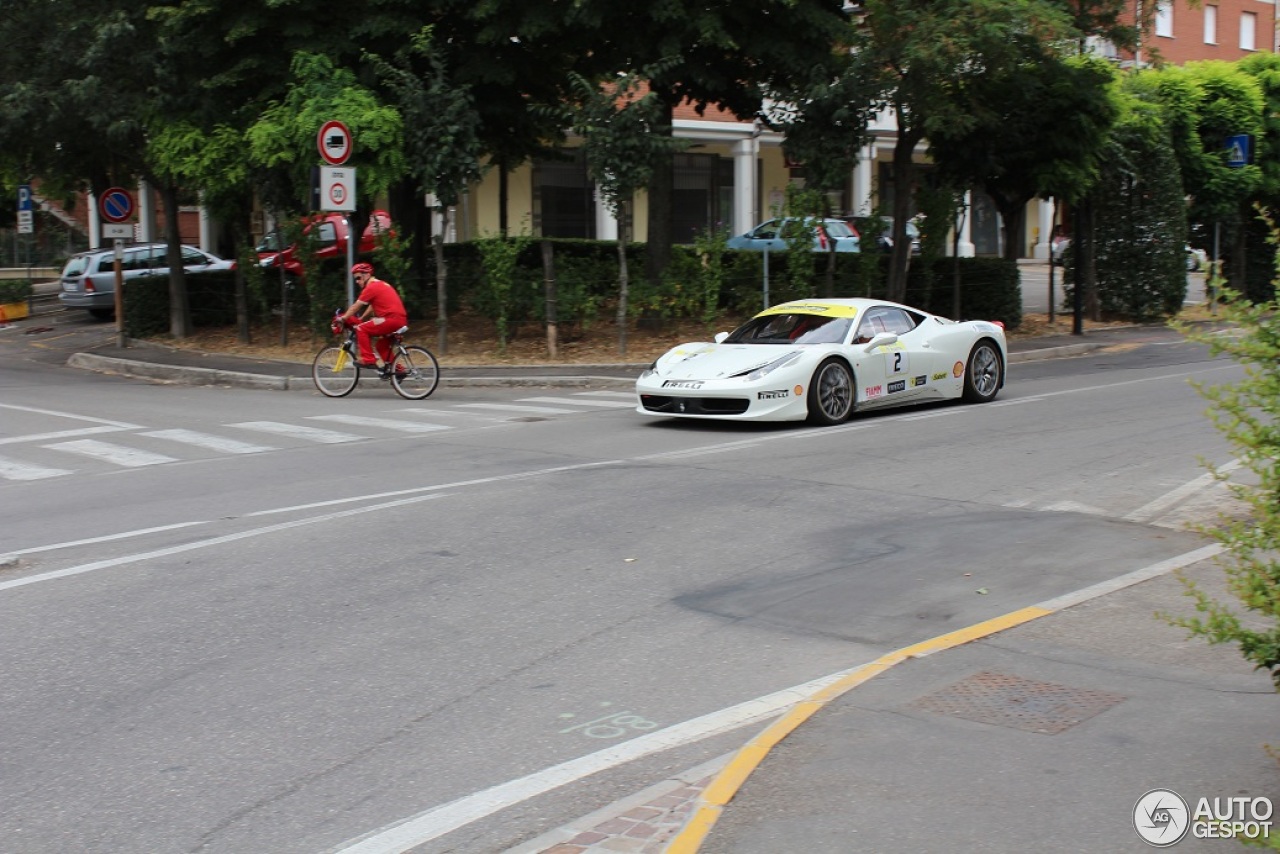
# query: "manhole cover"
[1003,700]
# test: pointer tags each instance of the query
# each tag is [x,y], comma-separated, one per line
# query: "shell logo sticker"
[957,369]
[799,390]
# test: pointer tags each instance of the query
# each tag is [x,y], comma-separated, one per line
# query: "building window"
[1248,31]
[702,195]
[1164,19]
[1210,24]
[563,198]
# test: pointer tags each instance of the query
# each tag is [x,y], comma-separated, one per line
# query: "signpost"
[116,206]
[26,211]
[338,186]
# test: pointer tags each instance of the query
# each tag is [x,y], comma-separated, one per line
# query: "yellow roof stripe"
[810,306]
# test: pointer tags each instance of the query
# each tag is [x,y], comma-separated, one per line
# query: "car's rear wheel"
[984,372]
[831,393]
[102,313]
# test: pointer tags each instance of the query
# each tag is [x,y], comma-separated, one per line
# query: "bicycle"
[413,371]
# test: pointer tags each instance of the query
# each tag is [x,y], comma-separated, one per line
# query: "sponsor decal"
[957,370]
[799,390]
[682,384]
[940,375]
[772,395]
[919,381]
[896,386]
[872,391]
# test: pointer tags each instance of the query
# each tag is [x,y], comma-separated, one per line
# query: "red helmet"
[362,268]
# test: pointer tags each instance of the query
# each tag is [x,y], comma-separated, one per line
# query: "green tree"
[1038,128]
[718,53]
[1247,413]
[1205,103]
[442,148]
[922,57]
[622,138]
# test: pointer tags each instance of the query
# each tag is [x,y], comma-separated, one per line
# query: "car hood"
[705,361]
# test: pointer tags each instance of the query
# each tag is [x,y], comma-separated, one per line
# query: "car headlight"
[651,370]
[765,370]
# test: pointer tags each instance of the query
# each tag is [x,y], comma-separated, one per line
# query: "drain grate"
[1011,701]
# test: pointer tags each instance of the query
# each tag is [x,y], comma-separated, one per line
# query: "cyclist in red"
[376,313]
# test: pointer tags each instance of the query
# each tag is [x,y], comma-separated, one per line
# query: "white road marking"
[13,470]
[60,434]
[213,443]
[203,544]
[511,407]
[1152,509]
[384,423]
[115,454]
[108,538]
[299,431]
[446,818]
[630,394]
[122,425]
[573,401]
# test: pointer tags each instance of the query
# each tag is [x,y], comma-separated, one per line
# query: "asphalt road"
[238,634]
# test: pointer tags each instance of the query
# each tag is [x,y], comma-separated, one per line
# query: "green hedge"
[15,290]
[586,274]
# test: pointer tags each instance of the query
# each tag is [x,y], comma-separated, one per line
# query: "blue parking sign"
[1238,153]
[24,197]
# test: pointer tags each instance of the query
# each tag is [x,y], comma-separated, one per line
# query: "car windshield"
[272,242]
[76,265]
[791,329]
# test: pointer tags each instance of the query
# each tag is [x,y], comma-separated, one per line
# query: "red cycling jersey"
[382,298]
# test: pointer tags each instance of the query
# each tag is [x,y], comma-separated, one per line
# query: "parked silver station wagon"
[89,279]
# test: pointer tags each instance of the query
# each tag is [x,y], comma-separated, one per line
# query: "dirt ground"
[473,341]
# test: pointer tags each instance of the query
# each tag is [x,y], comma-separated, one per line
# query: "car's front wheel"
[984,372]
[831,393]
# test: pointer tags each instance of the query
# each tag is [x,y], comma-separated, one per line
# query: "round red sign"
[334,142]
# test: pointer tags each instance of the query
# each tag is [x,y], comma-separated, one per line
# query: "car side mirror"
[720,336]
[883,339]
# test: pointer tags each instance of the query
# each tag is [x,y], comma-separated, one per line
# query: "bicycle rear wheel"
[335,372]
[415,373]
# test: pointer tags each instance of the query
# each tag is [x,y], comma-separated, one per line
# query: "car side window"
[872,324]
[766,231]
[898,321]
[193,258]
[327,235]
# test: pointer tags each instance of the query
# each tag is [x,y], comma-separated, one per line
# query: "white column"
[863,176]
[147,230]
[1045,217]
[965,247]
[606,222]
[745,156]
[206,229]
[95,223]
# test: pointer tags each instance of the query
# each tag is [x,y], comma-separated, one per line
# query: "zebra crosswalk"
[133,446]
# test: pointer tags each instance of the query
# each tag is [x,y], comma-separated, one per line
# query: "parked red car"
[330,230]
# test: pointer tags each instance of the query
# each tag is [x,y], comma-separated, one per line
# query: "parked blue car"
[772,235]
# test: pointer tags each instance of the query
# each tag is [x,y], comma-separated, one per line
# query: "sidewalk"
[160,362]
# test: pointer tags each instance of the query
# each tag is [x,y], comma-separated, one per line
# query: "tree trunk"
[624,231]
[903,180]
[549,278]
[179,307]
[442,285]
[658,240]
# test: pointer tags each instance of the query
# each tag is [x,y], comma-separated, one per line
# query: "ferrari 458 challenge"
[825,359]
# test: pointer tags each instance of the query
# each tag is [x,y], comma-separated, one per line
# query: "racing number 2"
[897,361]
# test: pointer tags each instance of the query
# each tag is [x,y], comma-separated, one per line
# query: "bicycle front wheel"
[334,372]
[415,373]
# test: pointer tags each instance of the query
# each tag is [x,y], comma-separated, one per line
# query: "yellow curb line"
[725,786]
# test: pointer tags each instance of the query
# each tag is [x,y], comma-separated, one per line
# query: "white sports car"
[822,360]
